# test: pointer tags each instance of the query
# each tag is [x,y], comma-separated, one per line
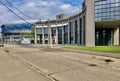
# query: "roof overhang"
[107,24]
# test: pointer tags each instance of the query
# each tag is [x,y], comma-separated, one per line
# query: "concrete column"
[62,33]
[68,32]
[43,35]
[49,34]
[51,40]
[35,39]
[78,30]
[83,31]
[56,38]
[90,23]
[117,36]
[56,35]
[73,31]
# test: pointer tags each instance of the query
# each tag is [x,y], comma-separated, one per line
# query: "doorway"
[104,36]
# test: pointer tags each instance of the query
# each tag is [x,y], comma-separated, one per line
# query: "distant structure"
[61,16]
[14,32]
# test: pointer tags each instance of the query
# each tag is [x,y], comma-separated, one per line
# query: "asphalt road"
[62,65]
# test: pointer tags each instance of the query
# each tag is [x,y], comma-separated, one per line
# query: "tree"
[1,40]
[31,33]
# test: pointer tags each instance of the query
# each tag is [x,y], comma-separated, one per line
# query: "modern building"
[14,32]
[97,24]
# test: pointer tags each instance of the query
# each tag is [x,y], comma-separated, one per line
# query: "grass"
[110,49]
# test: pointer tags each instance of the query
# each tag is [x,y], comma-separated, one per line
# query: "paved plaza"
[24,63]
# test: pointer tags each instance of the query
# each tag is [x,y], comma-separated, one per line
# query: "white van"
[25,41]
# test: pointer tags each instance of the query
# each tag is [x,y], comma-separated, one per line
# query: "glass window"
[66,34]
[59,35]
[108,9]
[46,30]
[39,30]
[53,31]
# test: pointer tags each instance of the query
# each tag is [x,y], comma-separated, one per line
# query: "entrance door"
[104,36]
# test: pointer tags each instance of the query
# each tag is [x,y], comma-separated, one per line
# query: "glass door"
[104,36]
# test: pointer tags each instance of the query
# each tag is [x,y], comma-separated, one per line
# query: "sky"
[38,9]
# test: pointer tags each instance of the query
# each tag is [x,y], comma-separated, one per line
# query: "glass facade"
[104,36]
[46,35]
[71,32]
[107,10]
[80,31]
[53,32]
[20,27]
[59,35]
[46,31]
[38,30]
[66,34]
[76,32]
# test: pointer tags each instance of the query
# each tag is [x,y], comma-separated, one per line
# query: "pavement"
[61,48]
[12,69]
[61,65]
[113,55]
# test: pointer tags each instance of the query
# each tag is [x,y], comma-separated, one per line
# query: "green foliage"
[112,49]
[32,30]
[31,33]
[1,40]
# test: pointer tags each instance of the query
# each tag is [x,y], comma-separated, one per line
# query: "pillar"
[56,41]
[51,40]
[35,39]
[49,34]
[73,31]
[89,23]
[43,35]
[68,32]
[117,36]
[78,30]
[62,33]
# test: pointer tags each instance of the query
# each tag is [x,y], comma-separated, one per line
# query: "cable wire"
[18,10]
[13,12]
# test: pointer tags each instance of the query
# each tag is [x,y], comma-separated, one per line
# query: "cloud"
[38,9]
[65,6]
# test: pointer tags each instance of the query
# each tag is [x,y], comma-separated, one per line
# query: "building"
[97,24]
[14,32]
[61,16]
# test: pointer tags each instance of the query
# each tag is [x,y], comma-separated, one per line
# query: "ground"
[27,63]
